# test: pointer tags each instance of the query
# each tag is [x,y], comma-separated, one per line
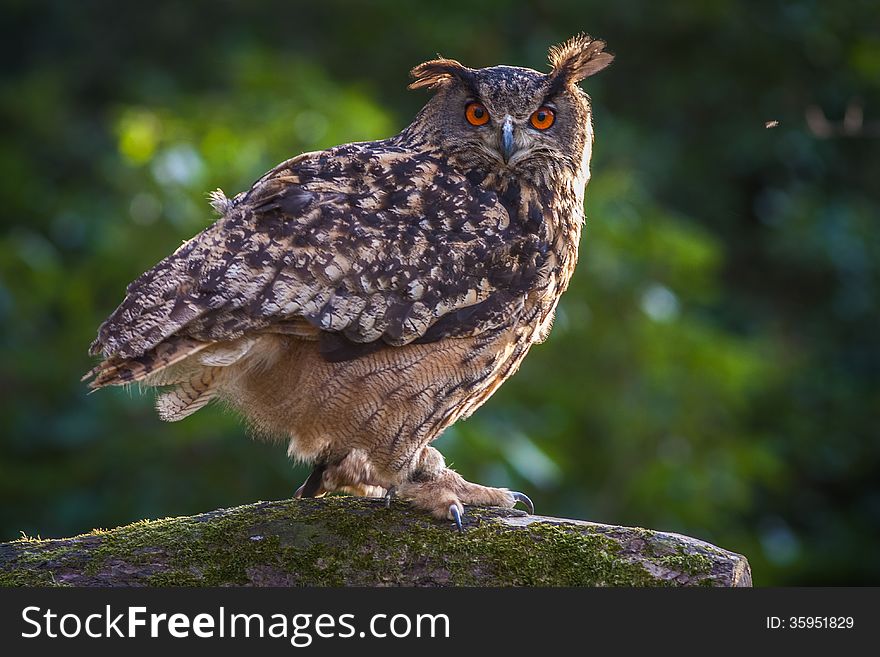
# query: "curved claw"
[520,497]
[313,486]
[390,495]
[456,516]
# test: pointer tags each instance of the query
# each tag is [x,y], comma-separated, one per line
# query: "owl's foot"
[353,474]
[445,493]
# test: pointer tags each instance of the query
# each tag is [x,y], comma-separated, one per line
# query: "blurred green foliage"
[714,366]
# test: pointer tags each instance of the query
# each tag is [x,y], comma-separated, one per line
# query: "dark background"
[713,369]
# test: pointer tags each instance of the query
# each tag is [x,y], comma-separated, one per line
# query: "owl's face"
[506,118]
[514,121]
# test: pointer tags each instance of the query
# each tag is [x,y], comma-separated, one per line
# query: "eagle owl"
[357,301]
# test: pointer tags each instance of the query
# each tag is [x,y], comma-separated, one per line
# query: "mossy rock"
[346,541]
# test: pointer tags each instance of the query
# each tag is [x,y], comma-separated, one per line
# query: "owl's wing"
[369,244]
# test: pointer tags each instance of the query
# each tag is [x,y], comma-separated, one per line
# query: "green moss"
[36,566]
[333,545]
[340,541]
[689,564]
[188,551]
[28,577]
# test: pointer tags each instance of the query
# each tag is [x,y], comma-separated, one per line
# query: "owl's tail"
[116,371]
[194,368]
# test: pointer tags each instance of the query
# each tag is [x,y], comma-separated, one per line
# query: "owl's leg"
[443,492]
[351,474]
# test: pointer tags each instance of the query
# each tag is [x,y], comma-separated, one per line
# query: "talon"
[390,495]
[312,487]
[456,516]
[520,497]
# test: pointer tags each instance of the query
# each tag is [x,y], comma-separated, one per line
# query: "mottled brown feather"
[366,260]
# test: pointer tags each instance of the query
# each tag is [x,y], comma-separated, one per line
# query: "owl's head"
[510,120]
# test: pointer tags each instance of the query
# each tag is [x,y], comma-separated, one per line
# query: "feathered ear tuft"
[437,71]
[578,58]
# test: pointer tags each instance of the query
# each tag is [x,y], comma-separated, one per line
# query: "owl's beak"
[507,144]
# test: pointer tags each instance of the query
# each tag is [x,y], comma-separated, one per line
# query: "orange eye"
[543,118]
[476,114]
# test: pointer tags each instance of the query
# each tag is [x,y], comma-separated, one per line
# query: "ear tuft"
[435,72]
[578,58]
